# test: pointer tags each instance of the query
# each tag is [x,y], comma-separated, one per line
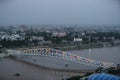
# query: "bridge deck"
[60,55]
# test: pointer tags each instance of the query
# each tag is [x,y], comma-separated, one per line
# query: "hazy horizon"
[81,12]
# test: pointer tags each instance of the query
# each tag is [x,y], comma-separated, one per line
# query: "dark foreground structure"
[103,76]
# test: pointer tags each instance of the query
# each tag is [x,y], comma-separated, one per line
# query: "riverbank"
[85,46]
[76,47]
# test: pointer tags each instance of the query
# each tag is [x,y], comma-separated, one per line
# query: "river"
[106,54]
[8,68]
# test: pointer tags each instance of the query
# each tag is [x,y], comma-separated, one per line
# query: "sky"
[59,12]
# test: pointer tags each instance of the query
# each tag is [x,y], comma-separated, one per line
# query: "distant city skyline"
[81,12]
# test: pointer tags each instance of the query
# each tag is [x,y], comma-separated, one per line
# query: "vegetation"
[114,70]
[94,39]
[11,56]
[18,43]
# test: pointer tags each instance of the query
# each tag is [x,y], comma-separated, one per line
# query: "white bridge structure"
[60,55]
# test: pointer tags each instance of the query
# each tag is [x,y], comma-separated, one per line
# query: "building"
[61,34]
[77,40]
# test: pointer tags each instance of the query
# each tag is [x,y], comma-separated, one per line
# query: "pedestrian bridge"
[49,52]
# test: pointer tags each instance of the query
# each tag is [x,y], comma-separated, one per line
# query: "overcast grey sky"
[59,11]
